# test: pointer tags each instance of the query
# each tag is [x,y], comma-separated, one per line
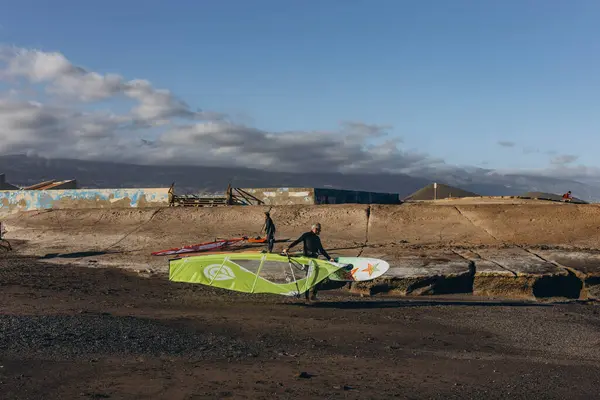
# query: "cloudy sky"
[336,85]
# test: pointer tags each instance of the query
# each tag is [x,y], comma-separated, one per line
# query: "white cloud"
[530,150]
[35,66]
[288,151]
[564,159]
[505,143]
[69,81]
[187,136]
[580,173]
[161,128]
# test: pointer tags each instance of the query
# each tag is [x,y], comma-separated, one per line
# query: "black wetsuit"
[270,231]
[312,245]
[312,248]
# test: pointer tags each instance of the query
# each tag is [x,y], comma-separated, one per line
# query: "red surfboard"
[218,244]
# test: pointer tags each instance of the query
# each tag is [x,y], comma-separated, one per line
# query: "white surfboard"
[363,269]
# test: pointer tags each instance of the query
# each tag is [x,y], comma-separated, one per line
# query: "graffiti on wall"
[27,200]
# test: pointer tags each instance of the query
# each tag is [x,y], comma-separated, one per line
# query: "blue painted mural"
[26,200]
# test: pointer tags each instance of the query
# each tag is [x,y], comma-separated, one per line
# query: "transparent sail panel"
[280,272]
[250,265]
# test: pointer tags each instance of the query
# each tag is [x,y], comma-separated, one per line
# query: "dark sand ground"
[90,333]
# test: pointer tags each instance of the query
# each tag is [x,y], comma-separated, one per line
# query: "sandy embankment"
[537,250]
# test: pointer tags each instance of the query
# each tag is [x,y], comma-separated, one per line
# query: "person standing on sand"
[312,249]
[269,229]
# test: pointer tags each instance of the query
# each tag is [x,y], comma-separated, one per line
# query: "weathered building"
[338,196]
[311,196]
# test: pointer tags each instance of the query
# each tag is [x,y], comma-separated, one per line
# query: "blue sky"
[452,77]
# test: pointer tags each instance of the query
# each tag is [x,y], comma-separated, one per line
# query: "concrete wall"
[283,196]
[27,200]
[336,196]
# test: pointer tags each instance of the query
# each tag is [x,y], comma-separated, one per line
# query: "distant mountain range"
[23,170]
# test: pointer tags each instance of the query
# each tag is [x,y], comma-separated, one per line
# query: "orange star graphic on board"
[370,269]
[353,271]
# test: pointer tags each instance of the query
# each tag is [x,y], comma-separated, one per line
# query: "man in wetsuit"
[312,248]
[269,229]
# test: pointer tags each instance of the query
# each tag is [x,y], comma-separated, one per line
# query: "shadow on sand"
[83,254]
[79,254]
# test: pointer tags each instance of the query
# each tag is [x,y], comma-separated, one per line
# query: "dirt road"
[75,332]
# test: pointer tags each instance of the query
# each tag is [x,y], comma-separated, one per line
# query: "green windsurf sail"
[253,273]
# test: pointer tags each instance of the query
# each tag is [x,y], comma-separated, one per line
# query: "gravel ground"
[66,337]
[73,332]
